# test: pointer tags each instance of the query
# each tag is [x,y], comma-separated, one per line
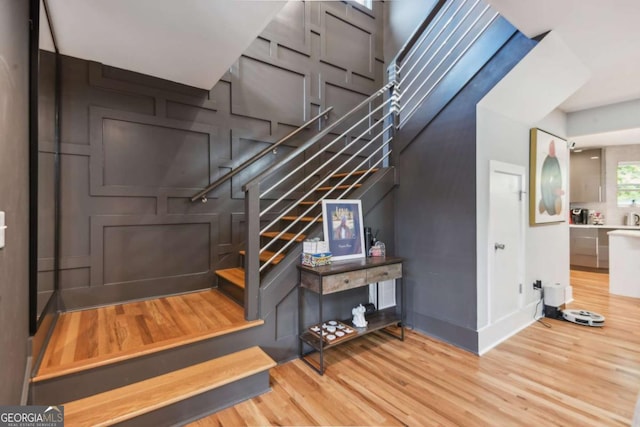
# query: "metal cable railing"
[218,182]
[454,29]
[357,141]
[436,47]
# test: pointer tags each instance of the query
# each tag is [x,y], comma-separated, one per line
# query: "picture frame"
[343,228]
[548,169]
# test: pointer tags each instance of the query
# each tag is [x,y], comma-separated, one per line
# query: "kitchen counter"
[624,269]
[608,226]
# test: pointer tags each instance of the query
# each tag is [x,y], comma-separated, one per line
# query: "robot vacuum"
[583,317]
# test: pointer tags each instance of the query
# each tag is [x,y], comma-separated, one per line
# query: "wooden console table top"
[342,275]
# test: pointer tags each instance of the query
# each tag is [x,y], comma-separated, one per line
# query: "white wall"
[546,246]
[526,98]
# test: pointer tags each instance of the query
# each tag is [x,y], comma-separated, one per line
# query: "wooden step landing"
[266,256]
[126,403]
[88,339]
[285,236]
[233,275]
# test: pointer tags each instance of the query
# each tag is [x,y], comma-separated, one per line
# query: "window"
[365,3]
[628,179]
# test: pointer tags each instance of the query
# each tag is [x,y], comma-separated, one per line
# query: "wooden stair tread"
[266,256]
[356,173]
[285,236]
[303,219]
[339,187]
[125,403]
[64,337]
[233,275]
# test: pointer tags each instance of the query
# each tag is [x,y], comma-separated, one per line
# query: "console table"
[341,276]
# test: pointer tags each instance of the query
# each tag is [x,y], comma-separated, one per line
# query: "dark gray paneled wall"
[14,196]
[134,148]
[436,209]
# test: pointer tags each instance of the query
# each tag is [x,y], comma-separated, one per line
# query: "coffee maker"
[580,216]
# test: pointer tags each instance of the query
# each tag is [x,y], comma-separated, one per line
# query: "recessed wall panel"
[144,155]
[139,252]
[266,91]
[347,45]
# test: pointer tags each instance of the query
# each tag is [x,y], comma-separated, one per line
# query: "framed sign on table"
[343,229]
[548,160]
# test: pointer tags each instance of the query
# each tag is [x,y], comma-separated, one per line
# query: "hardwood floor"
[96,337]
[565,374]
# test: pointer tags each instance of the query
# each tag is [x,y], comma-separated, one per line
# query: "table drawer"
[387,272]
[344,281]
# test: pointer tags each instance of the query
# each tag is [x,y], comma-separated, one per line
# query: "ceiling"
[605,36]
[193,42]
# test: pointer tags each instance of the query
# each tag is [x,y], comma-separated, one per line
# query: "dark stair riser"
[97,380]
[231,290]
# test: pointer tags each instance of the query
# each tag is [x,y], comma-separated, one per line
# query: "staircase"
[231,281]
[350,157]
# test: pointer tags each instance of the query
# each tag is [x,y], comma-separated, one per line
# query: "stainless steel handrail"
[258,156]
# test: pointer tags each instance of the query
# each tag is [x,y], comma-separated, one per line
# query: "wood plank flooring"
[96,337]
[565,374]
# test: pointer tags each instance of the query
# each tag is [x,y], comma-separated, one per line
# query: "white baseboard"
[492,335]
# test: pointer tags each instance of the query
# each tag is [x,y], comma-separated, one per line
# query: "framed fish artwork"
[548,166]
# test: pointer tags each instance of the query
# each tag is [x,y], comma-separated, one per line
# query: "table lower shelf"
[376,321]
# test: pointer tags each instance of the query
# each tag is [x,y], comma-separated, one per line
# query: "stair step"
[339,187]
[303,219]
[356,173]
[233,275]
[266,256]
[131,401]
[285,236]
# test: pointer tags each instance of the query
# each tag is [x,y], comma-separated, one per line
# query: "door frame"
[496,166]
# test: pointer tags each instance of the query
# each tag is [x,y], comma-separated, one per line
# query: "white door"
[506,239]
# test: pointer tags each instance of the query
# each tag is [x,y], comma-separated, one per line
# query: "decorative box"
[316,260]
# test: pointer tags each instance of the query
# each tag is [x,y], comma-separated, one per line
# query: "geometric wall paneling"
[73,278]
[127,82]
[45,205]
[190,113]
[244,148]
[132,249]
[344,99]
[287,315]
[136,148]
[290,27]
[74,206]
[261,90]
[345,43]
[136,155]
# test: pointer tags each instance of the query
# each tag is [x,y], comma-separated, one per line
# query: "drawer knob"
[386,273]
[346,281]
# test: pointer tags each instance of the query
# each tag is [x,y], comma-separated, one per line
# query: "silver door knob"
[497,246]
